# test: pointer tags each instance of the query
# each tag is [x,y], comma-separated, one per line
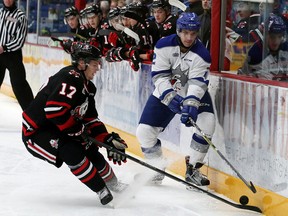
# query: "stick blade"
[178,4]
[252,187]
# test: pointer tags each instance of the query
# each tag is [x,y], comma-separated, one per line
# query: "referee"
[13,31]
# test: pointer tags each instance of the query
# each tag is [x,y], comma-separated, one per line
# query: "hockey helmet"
[71,11]
[114,12]
[138,9]
[161,4]
[92,10]
[85,51]
[275,24]
[188,21]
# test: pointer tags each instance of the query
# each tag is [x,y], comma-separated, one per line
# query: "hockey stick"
[129,32]
[206,137]
[51,41]
[178,4]
[110,148]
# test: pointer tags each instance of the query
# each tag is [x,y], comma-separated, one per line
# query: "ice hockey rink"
[31,187]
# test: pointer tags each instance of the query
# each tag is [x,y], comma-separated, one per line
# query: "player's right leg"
[199,146]
[49,145]
[73,154]
[154,119]
[104,169]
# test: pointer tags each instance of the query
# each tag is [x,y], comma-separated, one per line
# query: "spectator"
[13,28]
[114,4]
[195,6]
[52,14]
[205,19]
[105,7]
[249,20]
[269,62]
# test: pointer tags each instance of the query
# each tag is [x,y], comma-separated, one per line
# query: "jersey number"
[67,91]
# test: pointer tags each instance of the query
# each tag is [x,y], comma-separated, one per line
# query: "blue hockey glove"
[171,99]
[190,109]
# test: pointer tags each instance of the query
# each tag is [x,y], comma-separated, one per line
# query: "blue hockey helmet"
[188,21]
[275,24]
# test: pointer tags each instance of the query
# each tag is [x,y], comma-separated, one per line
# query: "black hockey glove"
[67,46]
[80,134]
[114,140]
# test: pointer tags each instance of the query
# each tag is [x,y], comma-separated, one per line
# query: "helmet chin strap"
[181,44]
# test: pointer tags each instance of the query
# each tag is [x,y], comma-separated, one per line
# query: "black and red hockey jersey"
[66,102]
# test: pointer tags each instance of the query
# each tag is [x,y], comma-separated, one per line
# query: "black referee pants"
[13,62]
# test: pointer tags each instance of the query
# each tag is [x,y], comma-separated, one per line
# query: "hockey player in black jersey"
[165,21]
[72,18]
[57,122]
[135,15]
[95,20]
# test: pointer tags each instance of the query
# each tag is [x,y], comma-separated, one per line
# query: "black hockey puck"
[244,200]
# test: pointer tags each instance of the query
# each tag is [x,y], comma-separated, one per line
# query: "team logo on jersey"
[242,24]
[74,73]
[167,26]
[175,54]
[54,143]
[80,111]
[179,78]
[104,26]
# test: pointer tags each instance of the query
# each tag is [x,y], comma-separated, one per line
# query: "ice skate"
[193,174]
[105,196]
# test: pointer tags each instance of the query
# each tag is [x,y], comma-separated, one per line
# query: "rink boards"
[251,128]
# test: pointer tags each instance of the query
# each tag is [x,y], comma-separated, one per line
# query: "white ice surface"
[31,187]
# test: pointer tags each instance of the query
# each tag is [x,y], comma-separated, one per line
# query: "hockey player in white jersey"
[180,73]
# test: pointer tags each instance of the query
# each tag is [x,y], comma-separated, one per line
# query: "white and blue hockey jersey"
[187,73]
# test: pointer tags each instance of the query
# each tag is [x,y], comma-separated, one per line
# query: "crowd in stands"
[129,30]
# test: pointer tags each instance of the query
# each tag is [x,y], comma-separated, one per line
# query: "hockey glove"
[171,99]
[113,39]
[135,58]
[80,134]
[67,45]
[93,42]
[110,56]
[116,142]
[119,52]
[190,110]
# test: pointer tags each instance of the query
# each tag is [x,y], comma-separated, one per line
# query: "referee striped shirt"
[13,29]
